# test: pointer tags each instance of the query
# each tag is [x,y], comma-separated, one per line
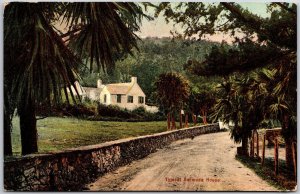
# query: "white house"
[125,95]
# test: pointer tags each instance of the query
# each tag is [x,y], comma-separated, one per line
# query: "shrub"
[95,111]
[113,111]
[65,109]
[138,114]
[140,111]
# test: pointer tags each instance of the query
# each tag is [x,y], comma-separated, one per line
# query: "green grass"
[55,133]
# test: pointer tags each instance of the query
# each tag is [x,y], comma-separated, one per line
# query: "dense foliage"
[260,42]
[173,91]
[41,62]
[154,57]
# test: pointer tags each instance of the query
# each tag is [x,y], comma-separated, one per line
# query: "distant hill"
[155,56]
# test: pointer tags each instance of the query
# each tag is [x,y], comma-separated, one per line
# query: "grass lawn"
[55,133]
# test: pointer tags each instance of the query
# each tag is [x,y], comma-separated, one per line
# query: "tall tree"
[201,102]
[41,63]
[259,42]
[172,91]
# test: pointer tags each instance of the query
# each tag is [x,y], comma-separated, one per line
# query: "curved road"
[205,163]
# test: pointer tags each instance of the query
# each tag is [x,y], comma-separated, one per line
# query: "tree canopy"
[172,91]
[259,42]
[41,63]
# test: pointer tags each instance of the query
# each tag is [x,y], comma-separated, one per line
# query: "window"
[130,99]
[141,99]
[119,98]
[105,98]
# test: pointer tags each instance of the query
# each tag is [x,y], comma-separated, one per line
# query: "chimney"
[133,79]
[99,83]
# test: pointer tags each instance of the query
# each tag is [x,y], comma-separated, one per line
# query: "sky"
[159,28]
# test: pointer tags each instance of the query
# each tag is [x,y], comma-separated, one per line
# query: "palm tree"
[41,63]
[229,108]
[282,102]
[242,100]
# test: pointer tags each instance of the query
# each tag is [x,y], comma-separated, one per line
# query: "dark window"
[130,99]
[118,98]
[104,98]
[141,99]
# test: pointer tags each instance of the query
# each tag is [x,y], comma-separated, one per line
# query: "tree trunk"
[186,121]
[289,152]
[194,119]
[28,129]
[257,144]
[7,135]
[245,146]
[288,138]
[169,121]
[173,121]
[276,156]
[7,123]
[180,119]
[204,114]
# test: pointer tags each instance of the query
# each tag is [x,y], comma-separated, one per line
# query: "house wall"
[135,91]
[72,169]
[108,96]
[92,95]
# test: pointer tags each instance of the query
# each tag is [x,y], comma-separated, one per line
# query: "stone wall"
[70,170]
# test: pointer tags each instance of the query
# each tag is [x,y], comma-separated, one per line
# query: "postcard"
[150,96]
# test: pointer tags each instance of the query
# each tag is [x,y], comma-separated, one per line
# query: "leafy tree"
[172,91]
[201,101]
[41,63]
[156,56]
[259,42]
[242,100]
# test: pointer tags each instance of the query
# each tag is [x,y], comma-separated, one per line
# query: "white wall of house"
[135,91]
[102,96]
[92,95]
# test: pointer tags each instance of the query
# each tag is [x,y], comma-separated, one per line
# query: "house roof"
[119,88]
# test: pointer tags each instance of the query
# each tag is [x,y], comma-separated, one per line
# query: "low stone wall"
[70,170]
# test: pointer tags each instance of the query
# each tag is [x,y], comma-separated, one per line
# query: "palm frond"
[43,64]
[106,28]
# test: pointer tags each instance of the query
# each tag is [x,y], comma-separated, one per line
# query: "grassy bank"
[283,181]
[56,133]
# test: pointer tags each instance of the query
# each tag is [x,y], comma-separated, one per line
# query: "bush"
[65,109]
[95,111]
[114,111]
[138,114]
[139,111]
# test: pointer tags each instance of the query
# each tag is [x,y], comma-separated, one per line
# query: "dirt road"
[205,163]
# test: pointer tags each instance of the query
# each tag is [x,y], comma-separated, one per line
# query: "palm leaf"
[45,65]
[105,29]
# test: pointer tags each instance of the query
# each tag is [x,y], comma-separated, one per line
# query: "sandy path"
[208,159]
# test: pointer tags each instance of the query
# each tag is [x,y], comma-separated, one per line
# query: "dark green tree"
[41,62]
[201,102]
[259,42]
[172,91]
